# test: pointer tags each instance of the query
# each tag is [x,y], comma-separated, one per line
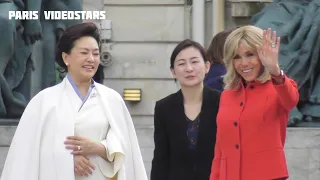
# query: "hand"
[268,52]
[32,31]
[81,145]
[82,166]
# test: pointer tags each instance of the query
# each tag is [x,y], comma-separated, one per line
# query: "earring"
[67,64]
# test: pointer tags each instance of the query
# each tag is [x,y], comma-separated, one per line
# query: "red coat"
[252,131]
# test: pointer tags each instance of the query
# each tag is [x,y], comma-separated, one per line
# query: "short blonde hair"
[251,36]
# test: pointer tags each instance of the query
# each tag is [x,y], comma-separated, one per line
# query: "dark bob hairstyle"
[70,35]
[183,45]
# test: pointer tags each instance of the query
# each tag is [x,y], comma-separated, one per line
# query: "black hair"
[183,45]
[70,35]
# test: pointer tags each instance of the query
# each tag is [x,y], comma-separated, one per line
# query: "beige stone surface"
[143,2]
[143,60]
[152,91]
[155,23]
[303,153]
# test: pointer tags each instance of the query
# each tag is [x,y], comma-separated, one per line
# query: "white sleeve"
[22,160]
[115,155]
[138,165]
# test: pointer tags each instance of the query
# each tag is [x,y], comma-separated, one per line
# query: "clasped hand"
[81,148]
[81,145]
[82,166]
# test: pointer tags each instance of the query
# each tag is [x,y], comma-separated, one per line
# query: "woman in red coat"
[254,109]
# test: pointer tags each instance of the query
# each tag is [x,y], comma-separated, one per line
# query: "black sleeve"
[218,99]
[160,163]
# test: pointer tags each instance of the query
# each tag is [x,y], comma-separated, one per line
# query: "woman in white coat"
[78,129]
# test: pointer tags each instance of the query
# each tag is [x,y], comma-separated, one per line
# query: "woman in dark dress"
[185,122]
[214,53]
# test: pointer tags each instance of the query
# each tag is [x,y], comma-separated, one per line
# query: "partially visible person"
[185,122]
[214,78]
[78,129]
[254,109]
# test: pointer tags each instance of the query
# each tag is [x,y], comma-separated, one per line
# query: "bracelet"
[279,76]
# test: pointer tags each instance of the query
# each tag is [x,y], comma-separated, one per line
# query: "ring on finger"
[79,148]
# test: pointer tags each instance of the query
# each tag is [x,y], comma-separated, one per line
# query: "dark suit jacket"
[172,160]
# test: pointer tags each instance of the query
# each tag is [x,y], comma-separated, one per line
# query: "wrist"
[278,75]
[279,79]
[277,72]
[98,148]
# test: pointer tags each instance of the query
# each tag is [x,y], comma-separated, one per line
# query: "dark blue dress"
[214,77]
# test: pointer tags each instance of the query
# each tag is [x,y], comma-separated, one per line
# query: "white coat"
[50,111]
